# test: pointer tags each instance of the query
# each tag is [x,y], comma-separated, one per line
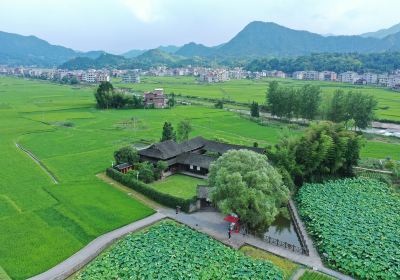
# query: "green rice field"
[41,223]
[254,90]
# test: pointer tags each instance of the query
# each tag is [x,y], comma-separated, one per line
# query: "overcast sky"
[120,25]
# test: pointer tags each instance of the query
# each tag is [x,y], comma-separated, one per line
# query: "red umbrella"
[231,219]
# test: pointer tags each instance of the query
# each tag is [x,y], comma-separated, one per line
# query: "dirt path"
[37,160]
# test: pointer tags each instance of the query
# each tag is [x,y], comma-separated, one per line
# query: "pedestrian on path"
[229,233]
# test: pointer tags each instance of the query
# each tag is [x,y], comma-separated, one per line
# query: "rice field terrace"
[41,223]
[248,91]
[355,225]
[172,251]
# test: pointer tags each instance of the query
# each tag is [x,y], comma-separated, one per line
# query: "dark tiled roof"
[221,148]
[195,159]
[168,149]
[123,166]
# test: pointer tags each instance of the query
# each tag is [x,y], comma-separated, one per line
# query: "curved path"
[210,223]
[93,249]
[35,159]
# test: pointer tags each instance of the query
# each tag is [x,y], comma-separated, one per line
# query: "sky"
[117,26]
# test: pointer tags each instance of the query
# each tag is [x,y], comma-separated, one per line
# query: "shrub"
[162,198]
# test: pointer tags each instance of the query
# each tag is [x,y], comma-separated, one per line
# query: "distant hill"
[193,49]
[29,50]
[262,39]
[270,39]
[157,56]
[256,40]
[382,33]
[135,53]
[105,60]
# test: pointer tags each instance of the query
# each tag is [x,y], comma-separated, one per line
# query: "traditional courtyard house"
[193,156]
[155,99]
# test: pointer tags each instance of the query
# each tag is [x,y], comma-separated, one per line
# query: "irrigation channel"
[37,160]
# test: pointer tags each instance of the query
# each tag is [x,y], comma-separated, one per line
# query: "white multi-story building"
[131,78]
[327,76]
[298,75]
[311,75]
[102,77]
[393,81]
[89,77]
[370,78]
[383,80]
[348,77]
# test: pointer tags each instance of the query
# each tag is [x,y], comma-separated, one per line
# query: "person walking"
[229,233]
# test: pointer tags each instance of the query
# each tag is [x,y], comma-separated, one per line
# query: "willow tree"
[243,182]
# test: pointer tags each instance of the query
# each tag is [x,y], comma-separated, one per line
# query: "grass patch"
[288,267]
[312,275]
[3,275]
[178,185]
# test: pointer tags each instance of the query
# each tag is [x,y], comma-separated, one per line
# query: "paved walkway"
[212,223]
[208,222]
[93,249]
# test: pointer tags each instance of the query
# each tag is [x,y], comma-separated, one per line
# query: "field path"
[37,160]
[93,249]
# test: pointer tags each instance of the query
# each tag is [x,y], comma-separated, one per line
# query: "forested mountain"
[105,60]
[262,39]
[380,34]
[135,53]
[29,50]
[267,42]
[192,49]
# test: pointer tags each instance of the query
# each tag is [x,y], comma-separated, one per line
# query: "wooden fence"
[303,249]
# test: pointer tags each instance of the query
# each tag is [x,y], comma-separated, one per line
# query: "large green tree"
[243,182]
[356,106]
[183,130]
[254,110]
[168,132]
[104,94]
[325,150]
[126,155]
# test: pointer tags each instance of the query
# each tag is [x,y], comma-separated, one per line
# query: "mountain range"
[257,39]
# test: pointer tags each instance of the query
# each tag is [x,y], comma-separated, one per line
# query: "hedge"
[162,198]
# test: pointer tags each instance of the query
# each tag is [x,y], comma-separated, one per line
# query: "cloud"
[144,10]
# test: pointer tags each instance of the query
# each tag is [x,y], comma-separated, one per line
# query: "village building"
[155,99]
[131,78]
[327,76]
[123,167]
[193,156]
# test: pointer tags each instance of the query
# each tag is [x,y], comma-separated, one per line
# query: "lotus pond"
[169,250]
[355,224]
